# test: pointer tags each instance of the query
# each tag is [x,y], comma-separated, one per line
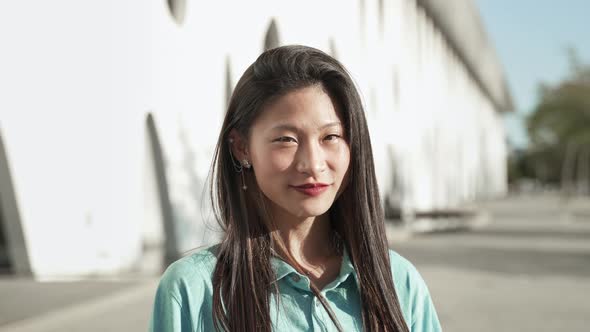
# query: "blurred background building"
[110,110]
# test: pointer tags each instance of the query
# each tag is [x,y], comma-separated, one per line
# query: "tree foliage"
[559,127]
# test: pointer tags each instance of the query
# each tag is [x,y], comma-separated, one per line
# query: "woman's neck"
[308,240]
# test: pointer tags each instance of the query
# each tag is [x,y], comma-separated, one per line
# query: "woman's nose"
[311,160]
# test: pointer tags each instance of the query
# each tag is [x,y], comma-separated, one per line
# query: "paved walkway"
[528,269]
[76,306]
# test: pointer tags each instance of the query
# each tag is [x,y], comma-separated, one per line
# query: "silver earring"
[239,167]
[246,164]
[244,187]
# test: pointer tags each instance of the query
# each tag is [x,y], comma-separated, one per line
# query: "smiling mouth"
[311,185]
[311,189]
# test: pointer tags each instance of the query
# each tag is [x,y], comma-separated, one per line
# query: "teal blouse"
[183,300]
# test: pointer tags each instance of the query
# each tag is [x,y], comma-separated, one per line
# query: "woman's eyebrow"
[331,124]
[294,128]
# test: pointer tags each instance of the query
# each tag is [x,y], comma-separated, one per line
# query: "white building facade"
[109,112]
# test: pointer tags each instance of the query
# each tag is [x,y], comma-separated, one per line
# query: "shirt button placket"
[318,321]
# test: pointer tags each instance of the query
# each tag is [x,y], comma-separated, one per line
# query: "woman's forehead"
[291,127]
[309,107]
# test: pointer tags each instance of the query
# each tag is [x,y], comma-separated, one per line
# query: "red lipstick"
[311,189]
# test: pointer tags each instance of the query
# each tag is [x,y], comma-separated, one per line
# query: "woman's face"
[296,142]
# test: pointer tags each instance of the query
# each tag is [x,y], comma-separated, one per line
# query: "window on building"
[272,39]
[229,84]
[177,10]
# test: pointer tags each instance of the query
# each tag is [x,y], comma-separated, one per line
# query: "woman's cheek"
[280,160]
[342,157]
[269,160]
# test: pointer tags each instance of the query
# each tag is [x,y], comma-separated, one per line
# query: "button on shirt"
[184,297]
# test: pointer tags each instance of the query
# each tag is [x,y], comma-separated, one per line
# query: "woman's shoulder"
[405,275]
[200,261]
[193,271]
[401,267]
[413,294]
[185,288]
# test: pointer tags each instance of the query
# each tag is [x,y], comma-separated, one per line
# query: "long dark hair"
[243,276]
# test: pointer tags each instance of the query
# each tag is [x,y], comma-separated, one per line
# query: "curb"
[397,231]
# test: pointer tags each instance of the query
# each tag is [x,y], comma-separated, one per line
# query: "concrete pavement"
[527,270]
[28,306]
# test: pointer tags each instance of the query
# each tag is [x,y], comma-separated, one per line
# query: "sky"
[531,38]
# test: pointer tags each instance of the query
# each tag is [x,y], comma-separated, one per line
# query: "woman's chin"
[310,210]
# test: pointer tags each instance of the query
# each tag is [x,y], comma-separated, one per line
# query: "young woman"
[294,189]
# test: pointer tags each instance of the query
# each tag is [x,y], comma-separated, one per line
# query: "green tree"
[559,130]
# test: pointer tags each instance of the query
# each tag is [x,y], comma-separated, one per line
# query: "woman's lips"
[311,190]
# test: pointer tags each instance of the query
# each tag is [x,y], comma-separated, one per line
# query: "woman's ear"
[238,146]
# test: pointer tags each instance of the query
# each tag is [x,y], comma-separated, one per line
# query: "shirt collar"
[283,269]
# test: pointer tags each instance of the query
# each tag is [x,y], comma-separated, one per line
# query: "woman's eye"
[285,139]
[332,137]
